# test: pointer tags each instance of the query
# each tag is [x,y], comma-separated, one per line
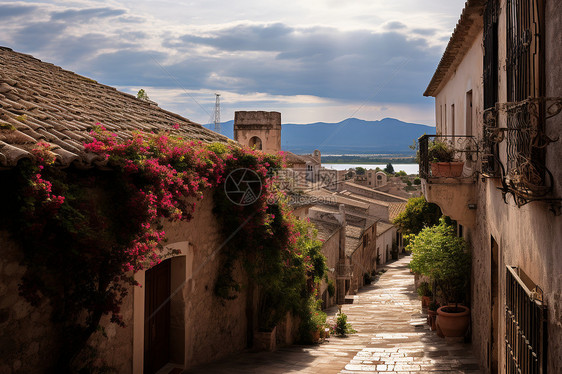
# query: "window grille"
[525,331]
[491,54]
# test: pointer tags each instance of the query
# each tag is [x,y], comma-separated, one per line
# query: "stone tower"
[258,129]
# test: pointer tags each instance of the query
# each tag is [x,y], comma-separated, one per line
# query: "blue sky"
[314,60]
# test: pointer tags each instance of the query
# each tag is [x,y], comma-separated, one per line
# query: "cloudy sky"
[312,60]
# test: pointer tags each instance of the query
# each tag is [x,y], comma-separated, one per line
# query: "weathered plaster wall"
[384,241]
[331,249]
[363,261]
[467,76]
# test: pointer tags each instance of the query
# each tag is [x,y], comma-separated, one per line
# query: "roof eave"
[473,10]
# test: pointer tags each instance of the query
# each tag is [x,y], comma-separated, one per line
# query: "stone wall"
[23,328]
[264,125]
[28,340]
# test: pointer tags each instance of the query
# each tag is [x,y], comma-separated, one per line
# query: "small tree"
[443,257]
[417,215]
[142,95]
[360,171]
[389,169]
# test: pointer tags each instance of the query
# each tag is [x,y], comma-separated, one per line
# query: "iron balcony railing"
[525,175]
[525,331]
[461,149]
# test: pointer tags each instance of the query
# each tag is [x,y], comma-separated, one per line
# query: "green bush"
[331,288]
[439,151]
[424,289]
[342,328]
[417,215]
[442,256]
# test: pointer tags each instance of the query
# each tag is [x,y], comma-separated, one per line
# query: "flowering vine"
[85,233]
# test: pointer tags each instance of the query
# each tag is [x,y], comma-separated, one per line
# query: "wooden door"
[157,317]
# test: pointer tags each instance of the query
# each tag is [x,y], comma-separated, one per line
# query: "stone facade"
[258,129]
[200,322]
[502,234]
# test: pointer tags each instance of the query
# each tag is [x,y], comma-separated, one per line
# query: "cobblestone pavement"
[392,337]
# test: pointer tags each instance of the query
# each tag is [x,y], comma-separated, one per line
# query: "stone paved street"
[392,337]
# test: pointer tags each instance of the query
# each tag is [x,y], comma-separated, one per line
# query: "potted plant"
[424,291]
[439,254]
[441,158]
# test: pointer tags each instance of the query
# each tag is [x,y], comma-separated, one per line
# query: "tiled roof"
[325,229]
[352,238]
[370,191]
[395,209]
[310,158]
[42,102]
[293,159]
[461,39]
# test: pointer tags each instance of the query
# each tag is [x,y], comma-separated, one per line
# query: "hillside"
[351,136]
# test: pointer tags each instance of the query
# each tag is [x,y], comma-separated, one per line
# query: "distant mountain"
[351,136]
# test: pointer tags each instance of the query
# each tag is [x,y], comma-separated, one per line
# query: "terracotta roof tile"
[394,209]
[42,102]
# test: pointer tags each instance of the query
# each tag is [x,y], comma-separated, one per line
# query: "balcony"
[448,172]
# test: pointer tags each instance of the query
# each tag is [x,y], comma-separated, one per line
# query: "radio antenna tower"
[217,113]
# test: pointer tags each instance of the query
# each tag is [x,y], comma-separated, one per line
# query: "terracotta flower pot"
[315,336]
[447,169]
[452,323]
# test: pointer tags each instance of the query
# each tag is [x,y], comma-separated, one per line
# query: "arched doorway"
[255,143]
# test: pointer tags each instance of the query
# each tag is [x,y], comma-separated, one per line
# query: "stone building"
[258,129]
[42,102]
[497,101]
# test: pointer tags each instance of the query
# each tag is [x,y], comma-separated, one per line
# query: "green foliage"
[342,328]
[409,183]
[401,173]
[142,95]
[360,171]
[439,151]
[313,319]
[433,306]
[389,169]
[442,256]
[279,252]
[417,181]
[331,288]
[417,215]
[424,289]
[7,126]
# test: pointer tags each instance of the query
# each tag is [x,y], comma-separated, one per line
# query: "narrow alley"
[392,337]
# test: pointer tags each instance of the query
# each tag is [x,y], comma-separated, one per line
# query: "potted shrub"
[441,158]
[424,291]
[439,254]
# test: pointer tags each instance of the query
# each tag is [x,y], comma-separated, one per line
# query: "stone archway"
[255,143]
